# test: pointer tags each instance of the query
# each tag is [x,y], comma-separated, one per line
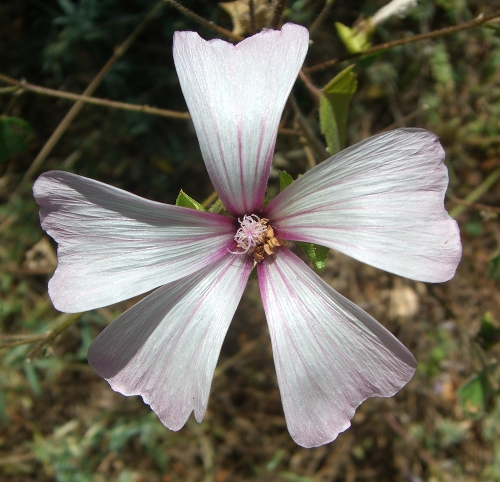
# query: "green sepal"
[475,395]
[186,201]
[14,137]
[354,41]
[217,207]
[334,108]
[316,253]
[253,273]
[285,180]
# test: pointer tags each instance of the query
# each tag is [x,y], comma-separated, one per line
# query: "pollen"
[255,237]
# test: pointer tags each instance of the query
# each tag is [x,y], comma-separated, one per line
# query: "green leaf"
[474,395]
[493,265]
[285,180]
[14,137]
[354,41]
[186,201]
[489,334]
[334,108]
[316,253]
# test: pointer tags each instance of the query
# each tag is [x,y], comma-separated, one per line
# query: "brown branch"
[251,8]
[482,19]
[72,113]
[50,336]
[146,109]
[321,16]
[477,193]
[479,206]
[316,93]
[202,21]
[278,13]
[314,143]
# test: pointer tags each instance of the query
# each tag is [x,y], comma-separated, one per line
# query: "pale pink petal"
[329,354]
[114,245]
[381,202]
[165,348]
[236,94]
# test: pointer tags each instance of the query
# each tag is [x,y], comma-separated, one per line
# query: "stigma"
[255,237]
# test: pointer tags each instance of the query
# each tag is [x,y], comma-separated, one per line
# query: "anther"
[255,237]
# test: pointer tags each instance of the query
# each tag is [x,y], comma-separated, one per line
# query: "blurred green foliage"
[448,85]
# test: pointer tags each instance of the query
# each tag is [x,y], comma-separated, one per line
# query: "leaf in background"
[474,395]
[14,137]
[285,180]
[354,41]
[493,265]
[334,107]
[186,201]
[489,334]
[316,253]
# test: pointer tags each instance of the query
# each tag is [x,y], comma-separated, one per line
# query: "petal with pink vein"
[379,201]
[236,94]
[165,348]
[114,245]
[329,354]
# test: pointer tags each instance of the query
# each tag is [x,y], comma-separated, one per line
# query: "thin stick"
[278,13]
[21,341]
[251,8]
[321,17]
[72,113]
[49,337]
[477,193]
[316,145]
[479,206]
[146,109]
[482,19]
[316,93]
[202,21]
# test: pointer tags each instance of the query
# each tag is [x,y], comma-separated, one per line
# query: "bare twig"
[21,340]
[477,193]
[314,143]
[49,337]
[42,339]
[202,21]
[72,113]
[482,19]
[321,17]
[316,93]
[478,206]
[146,109]
[278,13]
[251,8]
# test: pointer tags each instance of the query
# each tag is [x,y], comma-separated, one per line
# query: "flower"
[380,201]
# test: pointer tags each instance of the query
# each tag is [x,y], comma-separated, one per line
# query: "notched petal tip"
[380,201]
[165,348]
[329,354]
[236,95]
[113,245]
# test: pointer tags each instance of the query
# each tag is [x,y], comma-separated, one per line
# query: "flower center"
[255,237]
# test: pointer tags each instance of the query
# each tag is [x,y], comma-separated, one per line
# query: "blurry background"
[60,421]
